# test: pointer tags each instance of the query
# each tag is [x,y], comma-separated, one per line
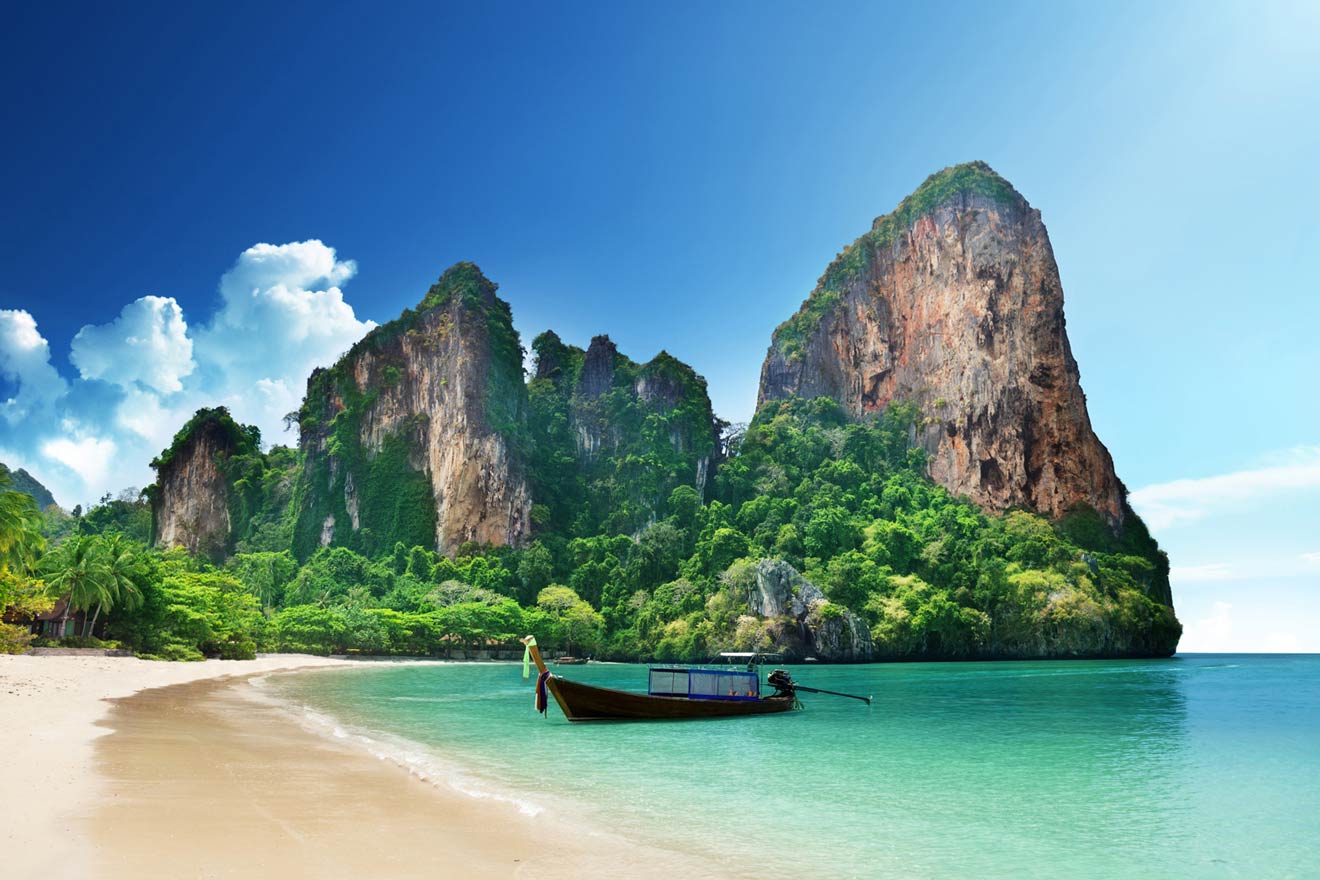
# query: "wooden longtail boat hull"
[584,702]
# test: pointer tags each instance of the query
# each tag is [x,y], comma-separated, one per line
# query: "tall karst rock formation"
[953,303]
[193,499]
[411,435]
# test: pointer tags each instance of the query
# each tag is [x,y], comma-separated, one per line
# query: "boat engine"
[780,680]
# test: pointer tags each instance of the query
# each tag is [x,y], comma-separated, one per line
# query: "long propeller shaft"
[866,700]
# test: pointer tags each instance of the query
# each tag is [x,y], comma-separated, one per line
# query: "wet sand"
[49,706]
[206,781]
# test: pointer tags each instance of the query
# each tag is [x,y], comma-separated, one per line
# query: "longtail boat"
[673,693]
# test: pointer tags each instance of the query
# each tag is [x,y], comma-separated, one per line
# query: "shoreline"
[127,768]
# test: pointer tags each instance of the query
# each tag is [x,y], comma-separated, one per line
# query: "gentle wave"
[418,760]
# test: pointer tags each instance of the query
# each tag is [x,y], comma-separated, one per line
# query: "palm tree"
[21,541]
[78,567]
[121,567]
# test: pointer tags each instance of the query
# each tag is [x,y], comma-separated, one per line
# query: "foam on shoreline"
[420,761]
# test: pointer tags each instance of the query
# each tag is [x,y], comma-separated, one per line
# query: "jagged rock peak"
[463,283]
[555,361]
[953,302]
[588,374]
[666,379]
[598,367]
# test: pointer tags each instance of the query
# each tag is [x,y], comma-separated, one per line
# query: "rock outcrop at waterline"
[409,436]
[953,303]
[800,621]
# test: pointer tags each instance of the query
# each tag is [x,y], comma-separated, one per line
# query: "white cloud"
[283,315]
[1247,569]
[151,418]
[147,343]
[91,457]
[142,375]
[1214,571]
[1167,504]
[25,366]
[1212,634]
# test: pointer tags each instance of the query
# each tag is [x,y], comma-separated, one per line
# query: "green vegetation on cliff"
[971,179]
[610,439]
[393,498]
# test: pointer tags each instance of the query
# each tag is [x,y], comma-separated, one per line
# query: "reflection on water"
[1185,767]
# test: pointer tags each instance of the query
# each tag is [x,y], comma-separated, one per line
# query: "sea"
[1198,766]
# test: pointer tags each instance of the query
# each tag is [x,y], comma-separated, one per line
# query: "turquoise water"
[1199,766]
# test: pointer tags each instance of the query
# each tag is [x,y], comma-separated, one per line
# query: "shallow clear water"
[1199,766]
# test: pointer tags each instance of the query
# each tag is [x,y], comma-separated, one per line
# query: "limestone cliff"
[953,303]
[193,498]
[614,438]
[411,435]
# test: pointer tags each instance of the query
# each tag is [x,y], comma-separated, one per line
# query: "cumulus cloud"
[1168,504]
[148,343]
[283,315]
[32,385]
[91,458]
[141,376]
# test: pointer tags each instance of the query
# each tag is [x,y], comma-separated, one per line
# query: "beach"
[118,767]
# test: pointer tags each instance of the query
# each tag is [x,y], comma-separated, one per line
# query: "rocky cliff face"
[953,303]
[410,437]
[191,502]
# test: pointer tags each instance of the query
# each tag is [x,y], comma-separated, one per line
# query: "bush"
[173,652]
[88,642]
[76,642]
[237,649]
[14,639]
[177,652]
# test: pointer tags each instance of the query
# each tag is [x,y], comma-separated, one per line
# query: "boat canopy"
[704,684]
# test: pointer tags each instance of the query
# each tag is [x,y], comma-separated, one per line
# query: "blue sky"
[676,176]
